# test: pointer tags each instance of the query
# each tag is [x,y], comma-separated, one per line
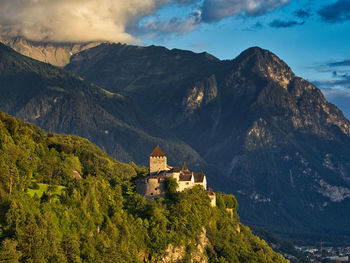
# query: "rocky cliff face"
[282,148]
[57,54]
[178,254]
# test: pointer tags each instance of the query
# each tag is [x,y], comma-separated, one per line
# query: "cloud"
[336,12]
[340,74]
[174,25]
[73,20]
[343,63]
[337,91]
[342,81]
[303,14]
[116,20]
[215,10]
[277,23]
[340,97]
[337,87]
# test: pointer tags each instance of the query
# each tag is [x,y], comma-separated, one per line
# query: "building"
[153,185]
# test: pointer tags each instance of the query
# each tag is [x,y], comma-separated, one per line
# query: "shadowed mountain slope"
[58,101]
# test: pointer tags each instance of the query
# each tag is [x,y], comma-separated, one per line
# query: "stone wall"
[151,187]
[182,185]
[158,163]
[213,199]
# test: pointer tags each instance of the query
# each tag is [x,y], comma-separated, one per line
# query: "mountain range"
[258,130]
[56,100]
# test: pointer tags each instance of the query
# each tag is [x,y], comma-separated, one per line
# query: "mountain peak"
[265,64]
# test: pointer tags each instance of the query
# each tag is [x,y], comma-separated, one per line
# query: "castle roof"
[157,152]
[174,170]
[155,176]
[184,168]
[198,177]
[185,177]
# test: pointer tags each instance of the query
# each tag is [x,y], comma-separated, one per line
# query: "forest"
[62,199]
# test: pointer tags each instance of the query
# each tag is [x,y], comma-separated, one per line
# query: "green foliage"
[8,251]
[49,214]
[170,187]
[226,201]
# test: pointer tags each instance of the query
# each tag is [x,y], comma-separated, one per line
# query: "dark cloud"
[303,14]
[337,87]
[339,80]
[277,23]
[343,63]
[216,10]
[175,25]
[336,12]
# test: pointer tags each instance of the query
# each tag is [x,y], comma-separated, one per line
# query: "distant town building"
[153,185]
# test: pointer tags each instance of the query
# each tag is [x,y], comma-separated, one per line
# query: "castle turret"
[157,161]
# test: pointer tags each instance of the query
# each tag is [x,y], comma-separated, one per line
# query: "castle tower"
[157,160]
[184,167]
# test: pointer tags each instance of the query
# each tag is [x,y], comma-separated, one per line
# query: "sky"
[312,37]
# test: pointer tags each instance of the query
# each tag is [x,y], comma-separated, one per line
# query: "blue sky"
[312,37]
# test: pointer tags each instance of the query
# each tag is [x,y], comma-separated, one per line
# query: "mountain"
[65,200]
[58,101]
[281,148]
[57,54]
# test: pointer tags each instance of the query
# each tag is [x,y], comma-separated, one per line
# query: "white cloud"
[73,20]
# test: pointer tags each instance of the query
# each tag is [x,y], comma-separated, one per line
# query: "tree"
[170,187]
[9,252]
[12,155]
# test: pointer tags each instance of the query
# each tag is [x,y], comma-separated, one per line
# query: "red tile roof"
[157,152]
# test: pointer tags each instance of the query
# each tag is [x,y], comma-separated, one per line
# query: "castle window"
[151,193]
[156,188]
[187,183]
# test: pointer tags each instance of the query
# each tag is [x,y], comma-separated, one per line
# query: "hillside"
[282,149]
[65,200]
[58,101]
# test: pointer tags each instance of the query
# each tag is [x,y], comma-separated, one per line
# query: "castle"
[153,185]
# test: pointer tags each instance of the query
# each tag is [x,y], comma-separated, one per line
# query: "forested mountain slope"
[65,200]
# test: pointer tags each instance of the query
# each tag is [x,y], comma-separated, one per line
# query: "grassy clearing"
[43,188]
